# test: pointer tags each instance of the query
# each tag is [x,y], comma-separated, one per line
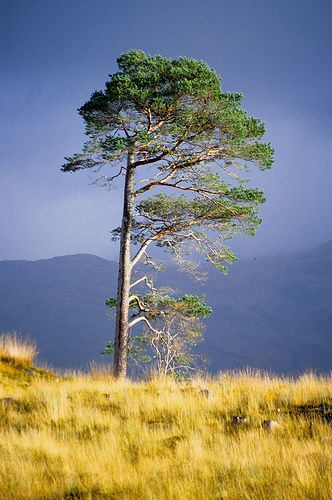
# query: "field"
[90,436]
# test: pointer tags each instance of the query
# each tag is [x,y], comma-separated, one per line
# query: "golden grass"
[94,437]
[20,351]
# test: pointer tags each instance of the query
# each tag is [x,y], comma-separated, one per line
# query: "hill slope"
[272,313]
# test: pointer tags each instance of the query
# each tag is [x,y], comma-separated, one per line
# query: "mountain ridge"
[272,313]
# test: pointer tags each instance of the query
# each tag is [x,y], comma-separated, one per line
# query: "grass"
[17,350]
[89,436]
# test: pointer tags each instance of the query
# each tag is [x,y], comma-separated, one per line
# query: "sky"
[55,53]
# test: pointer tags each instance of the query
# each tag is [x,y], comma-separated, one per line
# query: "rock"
[238,420]
[160,425]
[270,425]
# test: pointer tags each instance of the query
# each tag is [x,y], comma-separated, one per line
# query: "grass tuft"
[20,351]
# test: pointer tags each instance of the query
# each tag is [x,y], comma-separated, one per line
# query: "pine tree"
[166,126]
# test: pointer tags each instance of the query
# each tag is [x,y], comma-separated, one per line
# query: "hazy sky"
[55,53]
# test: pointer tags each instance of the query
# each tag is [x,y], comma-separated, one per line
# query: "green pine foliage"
[173,114]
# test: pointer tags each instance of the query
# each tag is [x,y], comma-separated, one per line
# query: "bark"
[125,267]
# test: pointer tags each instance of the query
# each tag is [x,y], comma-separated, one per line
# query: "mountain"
[60,302]
[272,313]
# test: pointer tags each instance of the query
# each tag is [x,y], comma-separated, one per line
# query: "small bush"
[20,351]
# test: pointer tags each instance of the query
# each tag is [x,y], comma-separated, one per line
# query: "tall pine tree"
[166,126]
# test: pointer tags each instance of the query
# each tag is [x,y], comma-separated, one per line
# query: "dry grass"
[17,350]
[93,437]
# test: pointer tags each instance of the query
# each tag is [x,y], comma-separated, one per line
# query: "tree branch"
[161,155]
[163,182]
[142,250]
[143,318]
[147,282]
[156,236]
[152,184]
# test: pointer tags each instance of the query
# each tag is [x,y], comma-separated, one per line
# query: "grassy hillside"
[93,437]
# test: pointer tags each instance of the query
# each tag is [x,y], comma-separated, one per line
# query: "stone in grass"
[270,425]
[239,420]
[160,425]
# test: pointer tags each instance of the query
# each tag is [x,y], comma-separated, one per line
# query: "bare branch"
[143,318]
[194,160]
[112,177]
[142,250]
[148,282]
[161,155]
[171,229]
[158,266]
[152,184]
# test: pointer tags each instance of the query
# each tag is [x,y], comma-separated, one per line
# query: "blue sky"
[54,54]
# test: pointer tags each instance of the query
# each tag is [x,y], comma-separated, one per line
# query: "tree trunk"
[125,266]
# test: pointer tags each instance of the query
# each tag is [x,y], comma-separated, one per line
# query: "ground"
[90,436]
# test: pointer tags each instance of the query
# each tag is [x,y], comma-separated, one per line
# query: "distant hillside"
[271,313]
[60,302]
